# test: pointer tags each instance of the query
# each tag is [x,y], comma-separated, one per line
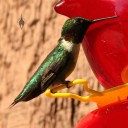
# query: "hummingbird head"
[74,29]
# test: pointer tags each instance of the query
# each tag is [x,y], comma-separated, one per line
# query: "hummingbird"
[60,62]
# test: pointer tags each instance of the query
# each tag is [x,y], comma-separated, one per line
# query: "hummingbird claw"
[53,91]
[67,83]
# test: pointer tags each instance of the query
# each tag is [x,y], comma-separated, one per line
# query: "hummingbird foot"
[53,90]
[67,84]
[60,87]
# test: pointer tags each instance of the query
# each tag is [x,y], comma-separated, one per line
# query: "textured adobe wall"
[21,52]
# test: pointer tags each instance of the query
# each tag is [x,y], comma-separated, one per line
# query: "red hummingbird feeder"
[106,48]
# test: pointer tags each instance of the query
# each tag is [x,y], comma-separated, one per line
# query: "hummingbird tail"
[12,104]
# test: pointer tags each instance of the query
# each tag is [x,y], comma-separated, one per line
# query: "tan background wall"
[21,52]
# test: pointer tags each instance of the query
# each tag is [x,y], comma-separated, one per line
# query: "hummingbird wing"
[52,72]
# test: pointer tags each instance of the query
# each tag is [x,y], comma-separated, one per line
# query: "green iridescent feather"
[35,80]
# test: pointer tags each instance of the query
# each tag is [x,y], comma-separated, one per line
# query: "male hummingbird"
[60,63]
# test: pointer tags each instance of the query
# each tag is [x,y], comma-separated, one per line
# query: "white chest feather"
[69,46]
[73,50]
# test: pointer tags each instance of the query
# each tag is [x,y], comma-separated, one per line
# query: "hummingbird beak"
[97,20]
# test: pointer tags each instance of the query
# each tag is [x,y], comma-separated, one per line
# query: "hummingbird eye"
[79,21]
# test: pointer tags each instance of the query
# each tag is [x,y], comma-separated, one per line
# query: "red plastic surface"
[106,42]
[112,116]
